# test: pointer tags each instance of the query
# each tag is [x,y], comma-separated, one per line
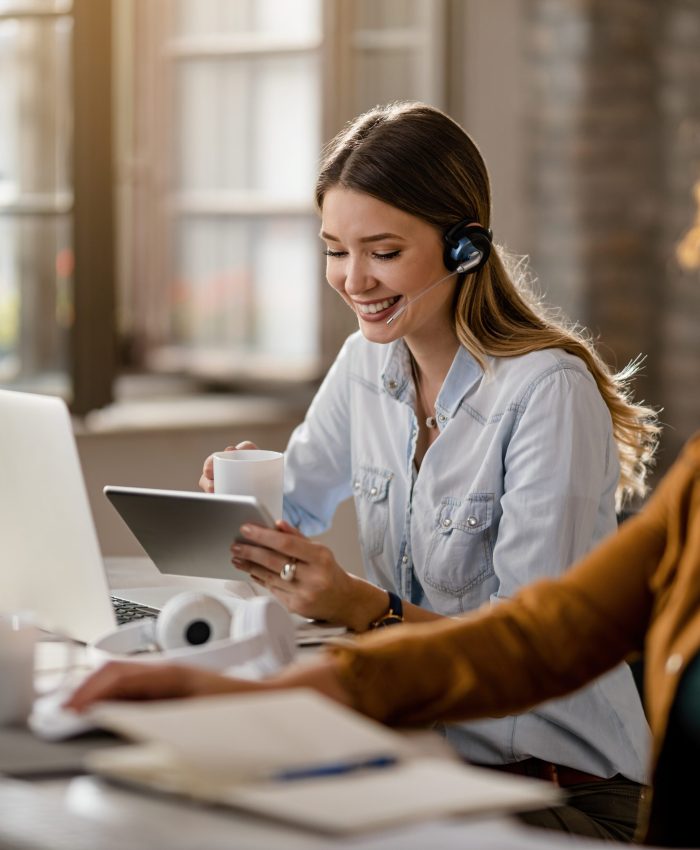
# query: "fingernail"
[236,549]
[247,530]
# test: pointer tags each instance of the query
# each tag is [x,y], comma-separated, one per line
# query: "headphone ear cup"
[192,619]
[264,617]
[461,241]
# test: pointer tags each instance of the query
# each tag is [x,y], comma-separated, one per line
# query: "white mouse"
[52,722]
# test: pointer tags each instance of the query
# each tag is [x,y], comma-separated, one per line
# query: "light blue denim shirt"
[519,484]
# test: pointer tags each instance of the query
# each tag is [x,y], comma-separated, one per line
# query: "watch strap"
[394,614]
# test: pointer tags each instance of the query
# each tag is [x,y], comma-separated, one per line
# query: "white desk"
[85,813]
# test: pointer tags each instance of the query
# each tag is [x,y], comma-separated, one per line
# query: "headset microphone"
[465,267]
[467,247]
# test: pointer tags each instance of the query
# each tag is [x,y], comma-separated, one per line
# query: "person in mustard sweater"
[638,591]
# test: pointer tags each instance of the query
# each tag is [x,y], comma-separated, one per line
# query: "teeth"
[378,306]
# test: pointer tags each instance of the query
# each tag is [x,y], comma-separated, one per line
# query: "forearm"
[553,638]
[366,603]
[322,676]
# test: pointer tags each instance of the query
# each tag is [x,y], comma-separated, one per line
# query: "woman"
[484,444]
[640,590]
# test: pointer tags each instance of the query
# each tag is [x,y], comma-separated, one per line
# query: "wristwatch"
[393,616]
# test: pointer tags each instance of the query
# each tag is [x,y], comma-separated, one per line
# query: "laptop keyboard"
[127,611]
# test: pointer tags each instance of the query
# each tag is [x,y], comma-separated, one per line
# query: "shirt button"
[404,560]
[392,385]
[373,491]
[674,663]
[472,521]
[447,522]
[356,485]
[442,417]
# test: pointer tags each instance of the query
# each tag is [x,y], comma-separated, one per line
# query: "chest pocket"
[460,557]
[371,492]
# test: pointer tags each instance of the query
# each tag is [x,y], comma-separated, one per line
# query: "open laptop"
[50,560]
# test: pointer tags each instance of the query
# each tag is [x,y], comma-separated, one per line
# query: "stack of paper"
[299,757]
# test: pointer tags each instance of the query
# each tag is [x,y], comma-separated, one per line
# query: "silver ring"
[288,570]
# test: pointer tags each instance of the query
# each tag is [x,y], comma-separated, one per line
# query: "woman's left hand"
[316,585]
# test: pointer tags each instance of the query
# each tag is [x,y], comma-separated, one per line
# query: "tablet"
[188,533]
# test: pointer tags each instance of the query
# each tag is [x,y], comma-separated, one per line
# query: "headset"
[256,637]
[467,247]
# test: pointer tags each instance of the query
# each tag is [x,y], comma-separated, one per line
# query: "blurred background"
[159,259]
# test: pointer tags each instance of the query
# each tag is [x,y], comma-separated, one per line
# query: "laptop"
[50,560]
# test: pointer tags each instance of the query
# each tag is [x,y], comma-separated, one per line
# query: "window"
[232,101]
[229,155]
[56,268]
[36,193]
[200,123]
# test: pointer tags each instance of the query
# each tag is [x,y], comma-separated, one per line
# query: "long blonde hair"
[419,160]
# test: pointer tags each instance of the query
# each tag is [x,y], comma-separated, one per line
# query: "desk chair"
[676,794]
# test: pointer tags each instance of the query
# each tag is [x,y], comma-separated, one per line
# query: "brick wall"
[614,148]
[679,320]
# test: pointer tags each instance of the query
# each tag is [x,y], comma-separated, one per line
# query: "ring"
[288,570]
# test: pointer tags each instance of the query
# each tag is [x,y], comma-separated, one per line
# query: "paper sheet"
[254,734]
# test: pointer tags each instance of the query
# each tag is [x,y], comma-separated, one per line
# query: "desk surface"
[86,814]
[83,812]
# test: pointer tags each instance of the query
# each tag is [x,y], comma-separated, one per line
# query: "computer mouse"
[51,721]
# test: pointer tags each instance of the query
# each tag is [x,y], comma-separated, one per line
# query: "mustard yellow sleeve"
[551,639]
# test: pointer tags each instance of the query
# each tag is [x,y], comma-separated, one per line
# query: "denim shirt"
[519,484]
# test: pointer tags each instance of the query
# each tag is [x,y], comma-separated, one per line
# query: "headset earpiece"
[192,619]
[467,247]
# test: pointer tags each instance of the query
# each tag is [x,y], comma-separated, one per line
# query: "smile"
[377,306]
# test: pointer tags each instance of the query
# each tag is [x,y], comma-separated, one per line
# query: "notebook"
[52,566]
[301,759]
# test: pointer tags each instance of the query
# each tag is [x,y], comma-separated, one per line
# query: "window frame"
[91,365]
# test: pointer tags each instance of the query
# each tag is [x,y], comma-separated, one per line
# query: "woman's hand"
[319,587]
[143,681]
[129,680]
[206,482]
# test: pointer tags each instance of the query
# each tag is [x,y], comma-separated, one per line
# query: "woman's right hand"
[133,680]
[138,681]
[206,482]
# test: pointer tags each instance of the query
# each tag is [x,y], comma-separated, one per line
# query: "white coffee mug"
[251,472]
[17,643]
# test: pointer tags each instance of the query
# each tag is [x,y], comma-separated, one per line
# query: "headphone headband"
[260,635]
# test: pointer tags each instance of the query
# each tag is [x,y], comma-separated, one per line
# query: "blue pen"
[333,769]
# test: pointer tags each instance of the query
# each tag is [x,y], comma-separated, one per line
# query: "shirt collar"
[396,376]
[464,373]
[397,380]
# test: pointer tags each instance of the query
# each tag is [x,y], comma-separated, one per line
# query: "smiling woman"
[485,444]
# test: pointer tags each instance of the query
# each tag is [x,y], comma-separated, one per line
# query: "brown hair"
[419,160]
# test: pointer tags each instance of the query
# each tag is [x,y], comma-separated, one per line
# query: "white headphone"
[254,636]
